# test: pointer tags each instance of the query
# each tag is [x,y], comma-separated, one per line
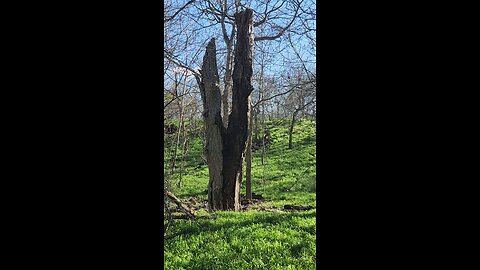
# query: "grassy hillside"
[265,236]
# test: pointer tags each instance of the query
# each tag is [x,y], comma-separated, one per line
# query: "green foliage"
[252,239]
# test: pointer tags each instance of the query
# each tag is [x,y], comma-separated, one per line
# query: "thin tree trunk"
[184,152]
[182,128]
[248,154]
[255,124]
[292,123]
[177,140]
[290,132]
[229,64]
[228,83]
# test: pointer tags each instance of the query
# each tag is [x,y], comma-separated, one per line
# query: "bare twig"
[176,62]
[266,13]
[277,95]
[178,11]
[282,30]
[301,60]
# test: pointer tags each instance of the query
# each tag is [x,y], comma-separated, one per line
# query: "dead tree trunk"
[225,146]
[237,131]
[214,129]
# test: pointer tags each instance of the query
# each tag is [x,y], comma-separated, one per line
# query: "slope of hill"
[265,235]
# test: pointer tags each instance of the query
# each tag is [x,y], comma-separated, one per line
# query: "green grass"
[253,239]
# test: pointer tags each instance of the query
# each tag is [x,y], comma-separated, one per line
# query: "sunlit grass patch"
[252,239]
[246,240]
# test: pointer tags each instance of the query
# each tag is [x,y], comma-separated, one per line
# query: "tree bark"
[225,146]
[237,131]
[214,129]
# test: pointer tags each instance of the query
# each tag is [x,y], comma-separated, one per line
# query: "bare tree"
[269,13]
[299,100]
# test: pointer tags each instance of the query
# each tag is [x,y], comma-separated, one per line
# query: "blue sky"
[190,33]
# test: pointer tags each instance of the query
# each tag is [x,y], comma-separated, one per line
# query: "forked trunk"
[225,147]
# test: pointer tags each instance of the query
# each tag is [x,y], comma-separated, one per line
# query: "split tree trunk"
[225,146]
[214,129]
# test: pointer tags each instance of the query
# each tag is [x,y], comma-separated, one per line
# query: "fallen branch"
[188,217]
[168,217]
[297,207]
[180,217]
[183,207]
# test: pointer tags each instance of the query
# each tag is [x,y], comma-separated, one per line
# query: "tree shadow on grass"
[262,219]
[199,194]
[235,229]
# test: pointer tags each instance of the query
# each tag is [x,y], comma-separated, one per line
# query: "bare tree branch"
[309,74]
[176,62]
[255,24]
[175,98]
[282,30]
[277,95]
[222,23]
[267,12]
[305,105]
[178,11]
